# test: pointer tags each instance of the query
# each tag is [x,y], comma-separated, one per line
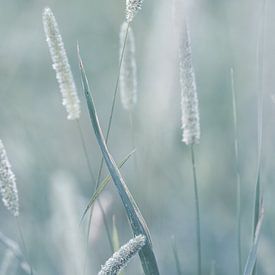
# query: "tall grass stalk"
[22,239]
[108,128]
[197,206]
[260,70]
[238,177]
[85,152]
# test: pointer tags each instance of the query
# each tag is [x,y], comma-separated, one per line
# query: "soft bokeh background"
[45,149]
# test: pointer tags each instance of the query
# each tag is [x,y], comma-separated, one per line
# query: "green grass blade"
[137,222]
[252,257]
[102,186]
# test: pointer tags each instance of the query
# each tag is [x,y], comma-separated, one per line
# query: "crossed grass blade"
[103,185]
[137,222]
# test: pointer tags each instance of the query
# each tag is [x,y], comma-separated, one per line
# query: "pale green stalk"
[260,61]
[197,206]
[238,189]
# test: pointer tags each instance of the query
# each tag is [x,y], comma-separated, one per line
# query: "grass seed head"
[61,65]
[8,186]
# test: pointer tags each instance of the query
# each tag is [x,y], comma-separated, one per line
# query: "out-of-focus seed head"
[8,186]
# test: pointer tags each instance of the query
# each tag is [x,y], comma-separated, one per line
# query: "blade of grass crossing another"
[102,186]
[137,222]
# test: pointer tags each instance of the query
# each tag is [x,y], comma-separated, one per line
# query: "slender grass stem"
[197,206]
[133,138]
[85,152]
[22,239]
[107,136]
[238,177]
[260,69]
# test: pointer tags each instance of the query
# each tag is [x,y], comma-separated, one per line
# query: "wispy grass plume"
[121,258]
[190,119]
[8,186]
[132,8]
[61,65]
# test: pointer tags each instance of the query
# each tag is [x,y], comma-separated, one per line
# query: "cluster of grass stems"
[141,242]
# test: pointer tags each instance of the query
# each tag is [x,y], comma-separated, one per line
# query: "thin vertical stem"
[238,187]
[260,69]
[197,206]
[85,152]
[21,236]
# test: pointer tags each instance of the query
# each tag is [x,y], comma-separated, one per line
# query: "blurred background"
[45,148]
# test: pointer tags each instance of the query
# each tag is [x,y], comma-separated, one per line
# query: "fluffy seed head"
[61,65]
[128,76]
[122,257]
[189,99]
[8,187]
[132,8]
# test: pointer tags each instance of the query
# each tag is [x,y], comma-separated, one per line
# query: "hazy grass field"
[233,47]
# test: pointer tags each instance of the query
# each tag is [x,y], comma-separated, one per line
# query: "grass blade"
[252,257]
[137,222]
[102,186]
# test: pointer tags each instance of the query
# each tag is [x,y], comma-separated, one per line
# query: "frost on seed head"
[132,8]
[61,65]
[189,98]
[122,257]
[128,76]
[8,187]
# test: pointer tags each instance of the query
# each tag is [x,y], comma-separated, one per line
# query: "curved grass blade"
[137,222]
[102,186]
[252,257]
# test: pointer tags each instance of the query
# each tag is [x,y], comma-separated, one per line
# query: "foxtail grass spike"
[121,258]
[132,8]
[128,77]
[8,186]
[61,65]
[189,99]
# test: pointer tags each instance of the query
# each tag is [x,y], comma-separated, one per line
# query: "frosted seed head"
[132,8]
[8,188]
[61,65]
[121,258]
[189,98]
